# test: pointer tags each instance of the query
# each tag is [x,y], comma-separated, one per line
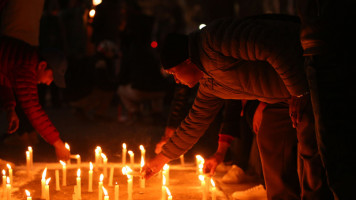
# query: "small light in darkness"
[154,44]
[201,26]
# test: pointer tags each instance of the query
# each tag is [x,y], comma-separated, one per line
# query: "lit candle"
[28,194]
[165,173]
[106,196]
[8,188]
[78,160]
[203,187]
[66,145]
[213,190]
[142,179]
[111,176]
[79,185]
[131,153]
[96,2]
[199,164]
[64,174]
[164,191]
[57,180]
[28,163]
[124,152]
[182,159]
[3,179]
[100,186]
[43,183]
[143,152]
[29,148]
[47,189]
[127,171]
[169,194]
[116,191]
[90,187]
[98,152]
[92,13]
[105,161]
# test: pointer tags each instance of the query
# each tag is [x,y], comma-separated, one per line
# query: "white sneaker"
[255,193]
[234,175]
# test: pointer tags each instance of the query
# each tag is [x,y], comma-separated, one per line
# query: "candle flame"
[8,166]
[3,172]
[131,153]
[142,161]
[105,191]
[104,156]
[126,170]
[48,180]
[124,145]
[66,145]
[27,154]
[98,148]
[142,148]
[201,177]
[28,194]
[78,156]
[78,173]
[29,148]
[63,163]
[91,166]
[44,174]
[101,177]
[212,182]
[166,167]
[96,2]
[201,166]
[163,180]
[92,13]
[8,180]
[168,192]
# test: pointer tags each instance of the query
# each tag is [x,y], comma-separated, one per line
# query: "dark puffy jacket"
[258,58]
[18,75]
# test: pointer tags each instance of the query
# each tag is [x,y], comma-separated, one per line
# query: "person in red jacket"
[22,68]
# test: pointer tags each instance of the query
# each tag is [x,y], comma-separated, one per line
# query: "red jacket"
[18,63]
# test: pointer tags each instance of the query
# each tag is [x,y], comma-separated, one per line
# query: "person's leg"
[277,142]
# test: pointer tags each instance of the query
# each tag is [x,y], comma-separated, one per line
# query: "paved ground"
[84,135]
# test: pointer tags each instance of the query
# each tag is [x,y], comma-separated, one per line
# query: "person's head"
[175,60]
[52,67]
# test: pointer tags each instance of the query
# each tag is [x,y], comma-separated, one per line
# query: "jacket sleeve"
[274,41]
[27,96]
[202,113]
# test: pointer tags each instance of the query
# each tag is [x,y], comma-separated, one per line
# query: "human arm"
[7,102]
[13,120]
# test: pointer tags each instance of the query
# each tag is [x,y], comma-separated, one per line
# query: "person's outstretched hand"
[167,134]
[61,151]
[297,107]
[13,121]
[154,166]
[211,163]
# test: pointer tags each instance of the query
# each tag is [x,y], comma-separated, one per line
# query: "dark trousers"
[333,91]
[290,159]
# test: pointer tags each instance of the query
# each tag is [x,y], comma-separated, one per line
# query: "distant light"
[202,26]
[96,2]
[91,13]
[154,44]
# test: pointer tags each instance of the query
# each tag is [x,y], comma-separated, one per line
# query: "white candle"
[117,192]
[143,152]
[132,159]
[105,161]
[79,185]
[199,160]
[3,180]
[124,152]
[164,191]
[106,196]
[129,187]
[64,174]
[57,180]
[213,190]
[165,173]
[169,194]
[97,156]
[28,194]
[100,186]
[8,188]
[142,179]
[47,189]
[28,164]
[111,176]
[182,160]
[43,183]
[90,186]
[203,187]
[30,150]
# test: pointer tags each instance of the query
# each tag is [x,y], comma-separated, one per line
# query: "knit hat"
[174,50]
[58,63]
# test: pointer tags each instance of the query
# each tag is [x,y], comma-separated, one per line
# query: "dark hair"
[174,50]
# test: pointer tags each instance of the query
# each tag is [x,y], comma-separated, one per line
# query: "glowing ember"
[44,173]
[78,173]
[28,194]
